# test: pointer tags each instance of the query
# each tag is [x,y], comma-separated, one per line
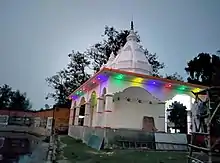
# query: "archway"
[82,111]
[187,101]
[74,113]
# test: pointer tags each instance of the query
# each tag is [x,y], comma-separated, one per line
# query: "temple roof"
[131,57]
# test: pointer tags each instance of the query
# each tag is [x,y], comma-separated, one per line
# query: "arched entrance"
[187,101]
[82,112]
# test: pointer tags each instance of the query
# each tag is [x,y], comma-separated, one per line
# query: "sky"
[37,35]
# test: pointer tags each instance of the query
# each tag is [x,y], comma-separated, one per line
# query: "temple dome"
[131,57]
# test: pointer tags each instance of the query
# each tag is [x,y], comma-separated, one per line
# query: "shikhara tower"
[131,57]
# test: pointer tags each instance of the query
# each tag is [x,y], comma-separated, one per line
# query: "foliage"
[113,41]
[67,80]
[19,101]
[178,116]
[5,96]
[57,82]
[203,69]
[216,71]
[174,76]
[13,99]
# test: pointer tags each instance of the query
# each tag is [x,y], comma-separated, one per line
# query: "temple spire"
[132,35]
[132,25]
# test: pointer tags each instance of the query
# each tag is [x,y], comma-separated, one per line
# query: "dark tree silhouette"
[5,96]
[67,80]
[58,83]
[14,100]
[19,101]
[178,116]
[203,69]
[216,71]
[174,76]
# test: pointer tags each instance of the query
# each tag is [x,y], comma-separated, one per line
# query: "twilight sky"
[37,35]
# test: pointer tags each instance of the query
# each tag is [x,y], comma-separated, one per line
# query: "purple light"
[151,82]
[74,97]
[102,77]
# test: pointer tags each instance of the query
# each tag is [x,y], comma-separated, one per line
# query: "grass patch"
[78,152]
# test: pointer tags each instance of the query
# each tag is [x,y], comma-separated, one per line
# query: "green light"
[79,93]
[119,76]
[182,88]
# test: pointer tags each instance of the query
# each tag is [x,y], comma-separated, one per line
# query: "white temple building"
[124,94]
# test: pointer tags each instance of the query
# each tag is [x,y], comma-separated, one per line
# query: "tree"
[5,96]
[174,76]
[69,79]
[113,40]
[178,116]
[216,70]
[13,99]
[58,82]
[19,101]
[203,69]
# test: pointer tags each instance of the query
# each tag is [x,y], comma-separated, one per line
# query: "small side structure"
[44,119]
[39,122]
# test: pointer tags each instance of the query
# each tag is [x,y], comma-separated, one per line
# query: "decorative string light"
[135,81]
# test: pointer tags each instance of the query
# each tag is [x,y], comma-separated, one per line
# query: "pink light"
[168,85]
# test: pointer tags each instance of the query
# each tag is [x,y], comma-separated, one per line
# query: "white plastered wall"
[163,94]
[130,115]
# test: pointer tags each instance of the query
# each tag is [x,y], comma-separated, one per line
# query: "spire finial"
[132,25]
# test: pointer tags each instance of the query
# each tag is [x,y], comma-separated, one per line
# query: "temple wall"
[130,115]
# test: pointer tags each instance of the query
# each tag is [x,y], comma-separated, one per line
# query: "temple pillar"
[189,116]
[71,116]
[87,114]
[99,112]
[108,110]
[76,122]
